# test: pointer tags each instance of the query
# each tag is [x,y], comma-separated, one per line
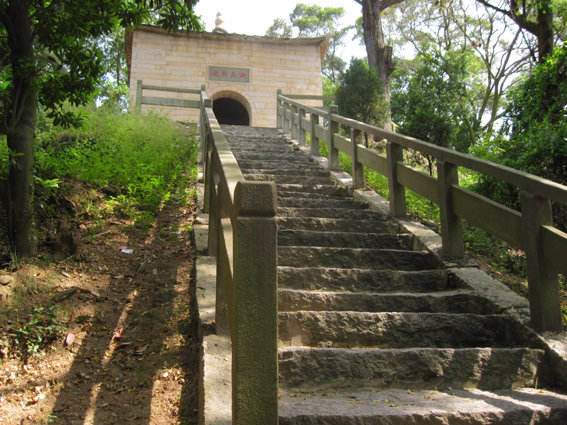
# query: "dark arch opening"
[230,111]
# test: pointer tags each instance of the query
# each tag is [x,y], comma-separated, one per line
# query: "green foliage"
[534,136]
[36,333]
[137,158]
[279,29]
[360,94]
[431,102]
[316,21]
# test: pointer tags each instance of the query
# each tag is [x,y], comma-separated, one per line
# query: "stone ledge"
[215,390]
[403,407]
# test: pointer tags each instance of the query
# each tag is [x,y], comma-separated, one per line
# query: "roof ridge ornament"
[218,23]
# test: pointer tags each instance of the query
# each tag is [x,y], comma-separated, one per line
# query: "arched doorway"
[230,111]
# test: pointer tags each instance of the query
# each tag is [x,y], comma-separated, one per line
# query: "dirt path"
[130,351]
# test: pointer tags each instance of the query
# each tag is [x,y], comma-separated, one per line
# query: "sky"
[254,17]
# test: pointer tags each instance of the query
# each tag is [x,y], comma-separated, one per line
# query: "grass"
[140,160]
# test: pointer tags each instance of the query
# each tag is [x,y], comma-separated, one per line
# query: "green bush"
[136,158]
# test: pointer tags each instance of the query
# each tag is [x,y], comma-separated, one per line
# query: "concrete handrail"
[243,238]
[530,229]
[164,101]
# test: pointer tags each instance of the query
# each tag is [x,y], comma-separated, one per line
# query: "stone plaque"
[233,75]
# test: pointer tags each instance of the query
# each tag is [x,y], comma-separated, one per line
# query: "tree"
[360,94]
[533,16]
[533,137]
[497,50]
[50,56]
[279,29]
[430,101]
[316,21]
[379,54]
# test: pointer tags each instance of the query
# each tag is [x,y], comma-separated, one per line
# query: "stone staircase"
[374,331]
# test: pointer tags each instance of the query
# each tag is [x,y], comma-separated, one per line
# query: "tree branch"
[385,4]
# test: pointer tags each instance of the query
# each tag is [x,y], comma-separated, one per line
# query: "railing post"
[279,120]
[254,348]
[543,286]
[314,140]
[214,213]
[333,128]
[285,121]
[224,291]
[294,129]
[138,104]
[357,167]
[395,153]
[302,138]
[451,224]
[205,103]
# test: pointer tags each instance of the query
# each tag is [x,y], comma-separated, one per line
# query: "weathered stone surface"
[276,163]
[295,201]
[288,156]
[323,189]
[430,407]
[354,280]
[331,369]
[344,213]
[336,225]
[289,237]
[441,302]
[299,171]
[343,329]
[290,178]
[363,258]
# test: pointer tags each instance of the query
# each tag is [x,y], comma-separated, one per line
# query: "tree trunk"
[20,129]
[544,34]
[379,55]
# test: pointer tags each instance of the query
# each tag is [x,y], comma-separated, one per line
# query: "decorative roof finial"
[218,23]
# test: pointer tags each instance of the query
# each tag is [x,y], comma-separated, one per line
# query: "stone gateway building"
[241,73]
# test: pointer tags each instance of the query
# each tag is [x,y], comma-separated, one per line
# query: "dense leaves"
[534,137]
[430,101]
[360,94]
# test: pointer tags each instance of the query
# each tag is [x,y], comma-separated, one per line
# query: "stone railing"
[243,238]
[530,229]
[164,101]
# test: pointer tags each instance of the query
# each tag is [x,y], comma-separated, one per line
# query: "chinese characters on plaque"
[233,75]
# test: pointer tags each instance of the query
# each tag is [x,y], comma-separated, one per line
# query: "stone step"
[299,172]
[263,156]
[426,407]
[456,301]
[337,225]
[289,237]
[322,189]
[282,165]
[362,258]
[289,178]
[344,213]
[282,193]
[347,329]
[263,146]
[344,280]
[332,369]
[302,202]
